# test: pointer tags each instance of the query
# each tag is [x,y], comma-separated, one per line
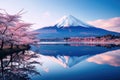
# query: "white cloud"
[112,24]
[110,58]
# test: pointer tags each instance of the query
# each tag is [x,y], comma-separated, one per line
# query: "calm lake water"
[63,62]
[78,62]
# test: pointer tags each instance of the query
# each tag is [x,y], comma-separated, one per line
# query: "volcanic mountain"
[69,26]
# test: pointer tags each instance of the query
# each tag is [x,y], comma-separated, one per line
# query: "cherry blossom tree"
[14,31]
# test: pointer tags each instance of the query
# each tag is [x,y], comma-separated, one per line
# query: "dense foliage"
[14,31]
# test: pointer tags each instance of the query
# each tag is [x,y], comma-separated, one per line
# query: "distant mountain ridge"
[69,26]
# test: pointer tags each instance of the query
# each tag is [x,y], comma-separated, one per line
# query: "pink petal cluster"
[14,31]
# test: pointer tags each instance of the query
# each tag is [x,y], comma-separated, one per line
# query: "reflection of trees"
[93,44]
[18,66]
[108,45]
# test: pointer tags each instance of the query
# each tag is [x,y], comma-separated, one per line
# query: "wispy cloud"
[46,14]
[112,24]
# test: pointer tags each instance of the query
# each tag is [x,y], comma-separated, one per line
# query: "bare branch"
[21,12]
[4,11]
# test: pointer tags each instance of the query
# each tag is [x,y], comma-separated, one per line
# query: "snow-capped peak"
[70,20]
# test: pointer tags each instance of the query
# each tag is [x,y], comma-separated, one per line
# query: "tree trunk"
[2,44]
[11,46]
[2,69]
[17,46]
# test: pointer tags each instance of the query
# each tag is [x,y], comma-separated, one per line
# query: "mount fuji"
[68,21]
[69,26]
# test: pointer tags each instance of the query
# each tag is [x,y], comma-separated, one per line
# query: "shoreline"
[116,43]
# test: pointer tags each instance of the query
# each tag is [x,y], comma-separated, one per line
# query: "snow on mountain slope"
[70,20]
[71,61]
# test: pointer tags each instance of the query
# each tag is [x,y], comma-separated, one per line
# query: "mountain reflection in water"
[62,62]
[67,61]
[70,61]
[73,49]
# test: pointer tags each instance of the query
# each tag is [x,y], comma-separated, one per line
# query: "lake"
[65,62]
[78,62]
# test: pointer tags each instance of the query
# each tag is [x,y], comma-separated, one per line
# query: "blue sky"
[46,12]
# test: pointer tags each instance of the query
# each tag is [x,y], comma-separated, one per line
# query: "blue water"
[78,62]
